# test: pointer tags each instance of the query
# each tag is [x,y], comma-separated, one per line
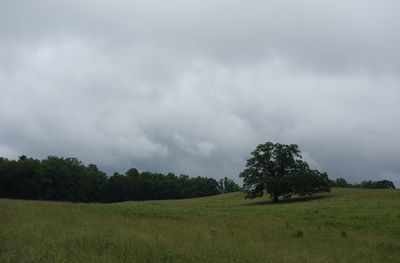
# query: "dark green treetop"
[279,170]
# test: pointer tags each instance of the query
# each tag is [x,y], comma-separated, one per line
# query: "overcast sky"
[193,86]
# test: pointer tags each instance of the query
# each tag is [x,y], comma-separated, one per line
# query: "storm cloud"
[193,86]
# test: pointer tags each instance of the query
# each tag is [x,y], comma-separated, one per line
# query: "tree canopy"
[279,170]
[68,179]
[227,185]
[383,184]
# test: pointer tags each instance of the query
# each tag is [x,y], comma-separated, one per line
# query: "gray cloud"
[193,86]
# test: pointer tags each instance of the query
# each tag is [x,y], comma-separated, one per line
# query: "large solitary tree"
[279,170]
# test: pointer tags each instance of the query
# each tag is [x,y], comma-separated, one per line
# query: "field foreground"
[347,225]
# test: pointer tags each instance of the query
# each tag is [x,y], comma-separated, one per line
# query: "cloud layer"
[193,86]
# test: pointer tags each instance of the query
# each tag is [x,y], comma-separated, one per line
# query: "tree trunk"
[275,198]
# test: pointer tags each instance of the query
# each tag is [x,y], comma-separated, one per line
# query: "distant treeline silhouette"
[68,179]
[383,184]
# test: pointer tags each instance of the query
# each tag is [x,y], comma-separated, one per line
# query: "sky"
[193,86]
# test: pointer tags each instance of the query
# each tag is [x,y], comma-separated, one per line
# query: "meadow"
[346,225]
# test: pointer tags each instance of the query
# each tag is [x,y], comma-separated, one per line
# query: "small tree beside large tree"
[279,170]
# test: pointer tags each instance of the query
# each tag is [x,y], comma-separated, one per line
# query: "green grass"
[347,225]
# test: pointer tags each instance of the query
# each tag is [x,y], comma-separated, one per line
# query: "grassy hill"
[347,225]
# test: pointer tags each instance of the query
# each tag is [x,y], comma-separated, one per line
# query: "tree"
[384,184]
[279,170]
[226,185]
[68,179]
[340,182]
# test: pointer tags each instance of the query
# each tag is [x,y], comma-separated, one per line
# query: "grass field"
[347,225]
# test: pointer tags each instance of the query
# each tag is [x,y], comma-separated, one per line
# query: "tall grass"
[347,225]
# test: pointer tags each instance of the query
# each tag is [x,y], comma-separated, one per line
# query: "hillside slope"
[347,225]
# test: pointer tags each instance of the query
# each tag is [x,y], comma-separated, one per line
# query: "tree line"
[383,184]
[68,179]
